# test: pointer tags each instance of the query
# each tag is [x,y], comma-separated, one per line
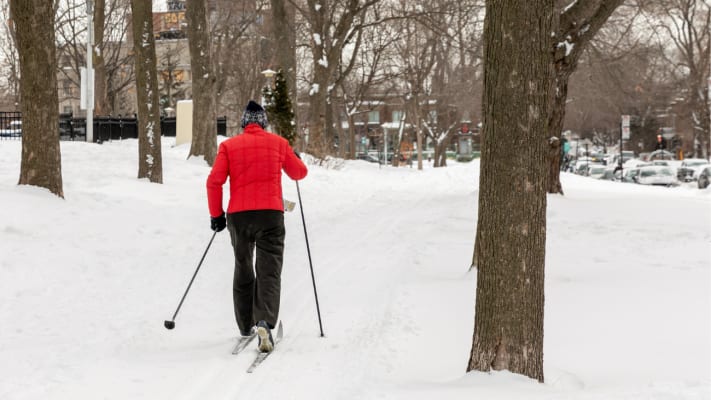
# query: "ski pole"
[171,324]
[308,251]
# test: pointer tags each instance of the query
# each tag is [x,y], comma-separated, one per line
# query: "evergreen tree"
[279,110]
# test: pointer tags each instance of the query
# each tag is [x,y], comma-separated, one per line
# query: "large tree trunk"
[317,142]
[442,153]
[41,163]
[556,128]
[554,149]
[578,23]
[285,47]
[150,163]
[343,141]
[204,138]
[101,100]
[511,230]
[419,144]
[351,136]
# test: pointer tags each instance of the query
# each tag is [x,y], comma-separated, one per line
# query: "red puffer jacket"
[253,161]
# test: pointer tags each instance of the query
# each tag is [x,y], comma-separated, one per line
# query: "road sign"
[626,121]
[625,132]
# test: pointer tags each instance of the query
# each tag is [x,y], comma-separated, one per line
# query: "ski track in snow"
[356,348]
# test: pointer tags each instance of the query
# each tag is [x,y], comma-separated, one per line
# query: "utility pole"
[624,135]
[90,71]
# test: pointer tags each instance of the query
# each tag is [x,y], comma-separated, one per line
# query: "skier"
[255,218]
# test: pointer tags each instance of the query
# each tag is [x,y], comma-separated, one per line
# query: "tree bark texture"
[554,149]
[318,143]
[556,128]
[204,138]
[101,98]
[419,144]
[41,163]
[285,46]
[511,229]
[150,164]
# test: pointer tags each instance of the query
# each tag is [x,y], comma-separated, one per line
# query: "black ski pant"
[256,295]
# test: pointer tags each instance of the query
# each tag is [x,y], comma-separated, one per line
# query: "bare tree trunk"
[511,230]
[436,155]
[317,115]
[41,163]
[150,163]
[577,25]
[554,149]
[204,138]
[285,46]
[342,139]
[419,144]
[332,26]
[556,127]
[8,53]
[101,101]
[442,153]
[351,136]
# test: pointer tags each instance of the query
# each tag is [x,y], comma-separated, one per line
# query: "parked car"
[626,156]
[581,165]
[704,177]
[595,171]
[688,171]
[367,157]
[657,175]
[13,129]
[631,175]
[610,175]
[597,157]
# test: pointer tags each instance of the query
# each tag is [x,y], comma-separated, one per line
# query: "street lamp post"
[269,75]
[89,71]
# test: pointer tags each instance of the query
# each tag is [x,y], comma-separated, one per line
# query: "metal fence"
[10,125]
[105,128]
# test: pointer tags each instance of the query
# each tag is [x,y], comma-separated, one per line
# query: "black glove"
[297,154]
[217,224]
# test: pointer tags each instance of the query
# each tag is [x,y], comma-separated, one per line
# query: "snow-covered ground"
[86,283]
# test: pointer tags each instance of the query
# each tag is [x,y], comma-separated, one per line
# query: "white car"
[596,171]
[690,168]
[657,175]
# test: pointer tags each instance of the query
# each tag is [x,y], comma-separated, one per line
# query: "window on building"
[397,116]
[374,117]
[176,5]
[67,89]
[67,109]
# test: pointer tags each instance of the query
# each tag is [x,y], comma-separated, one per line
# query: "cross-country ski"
[243,342]
[262,355]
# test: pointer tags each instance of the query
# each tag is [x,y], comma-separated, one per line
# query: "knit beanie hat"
[254,114]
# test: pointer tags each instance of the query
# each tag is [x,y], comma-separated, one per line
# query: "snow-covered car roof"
[694,161]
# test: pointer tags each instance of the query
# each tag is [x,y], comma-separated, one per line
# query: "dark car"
[704,177]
